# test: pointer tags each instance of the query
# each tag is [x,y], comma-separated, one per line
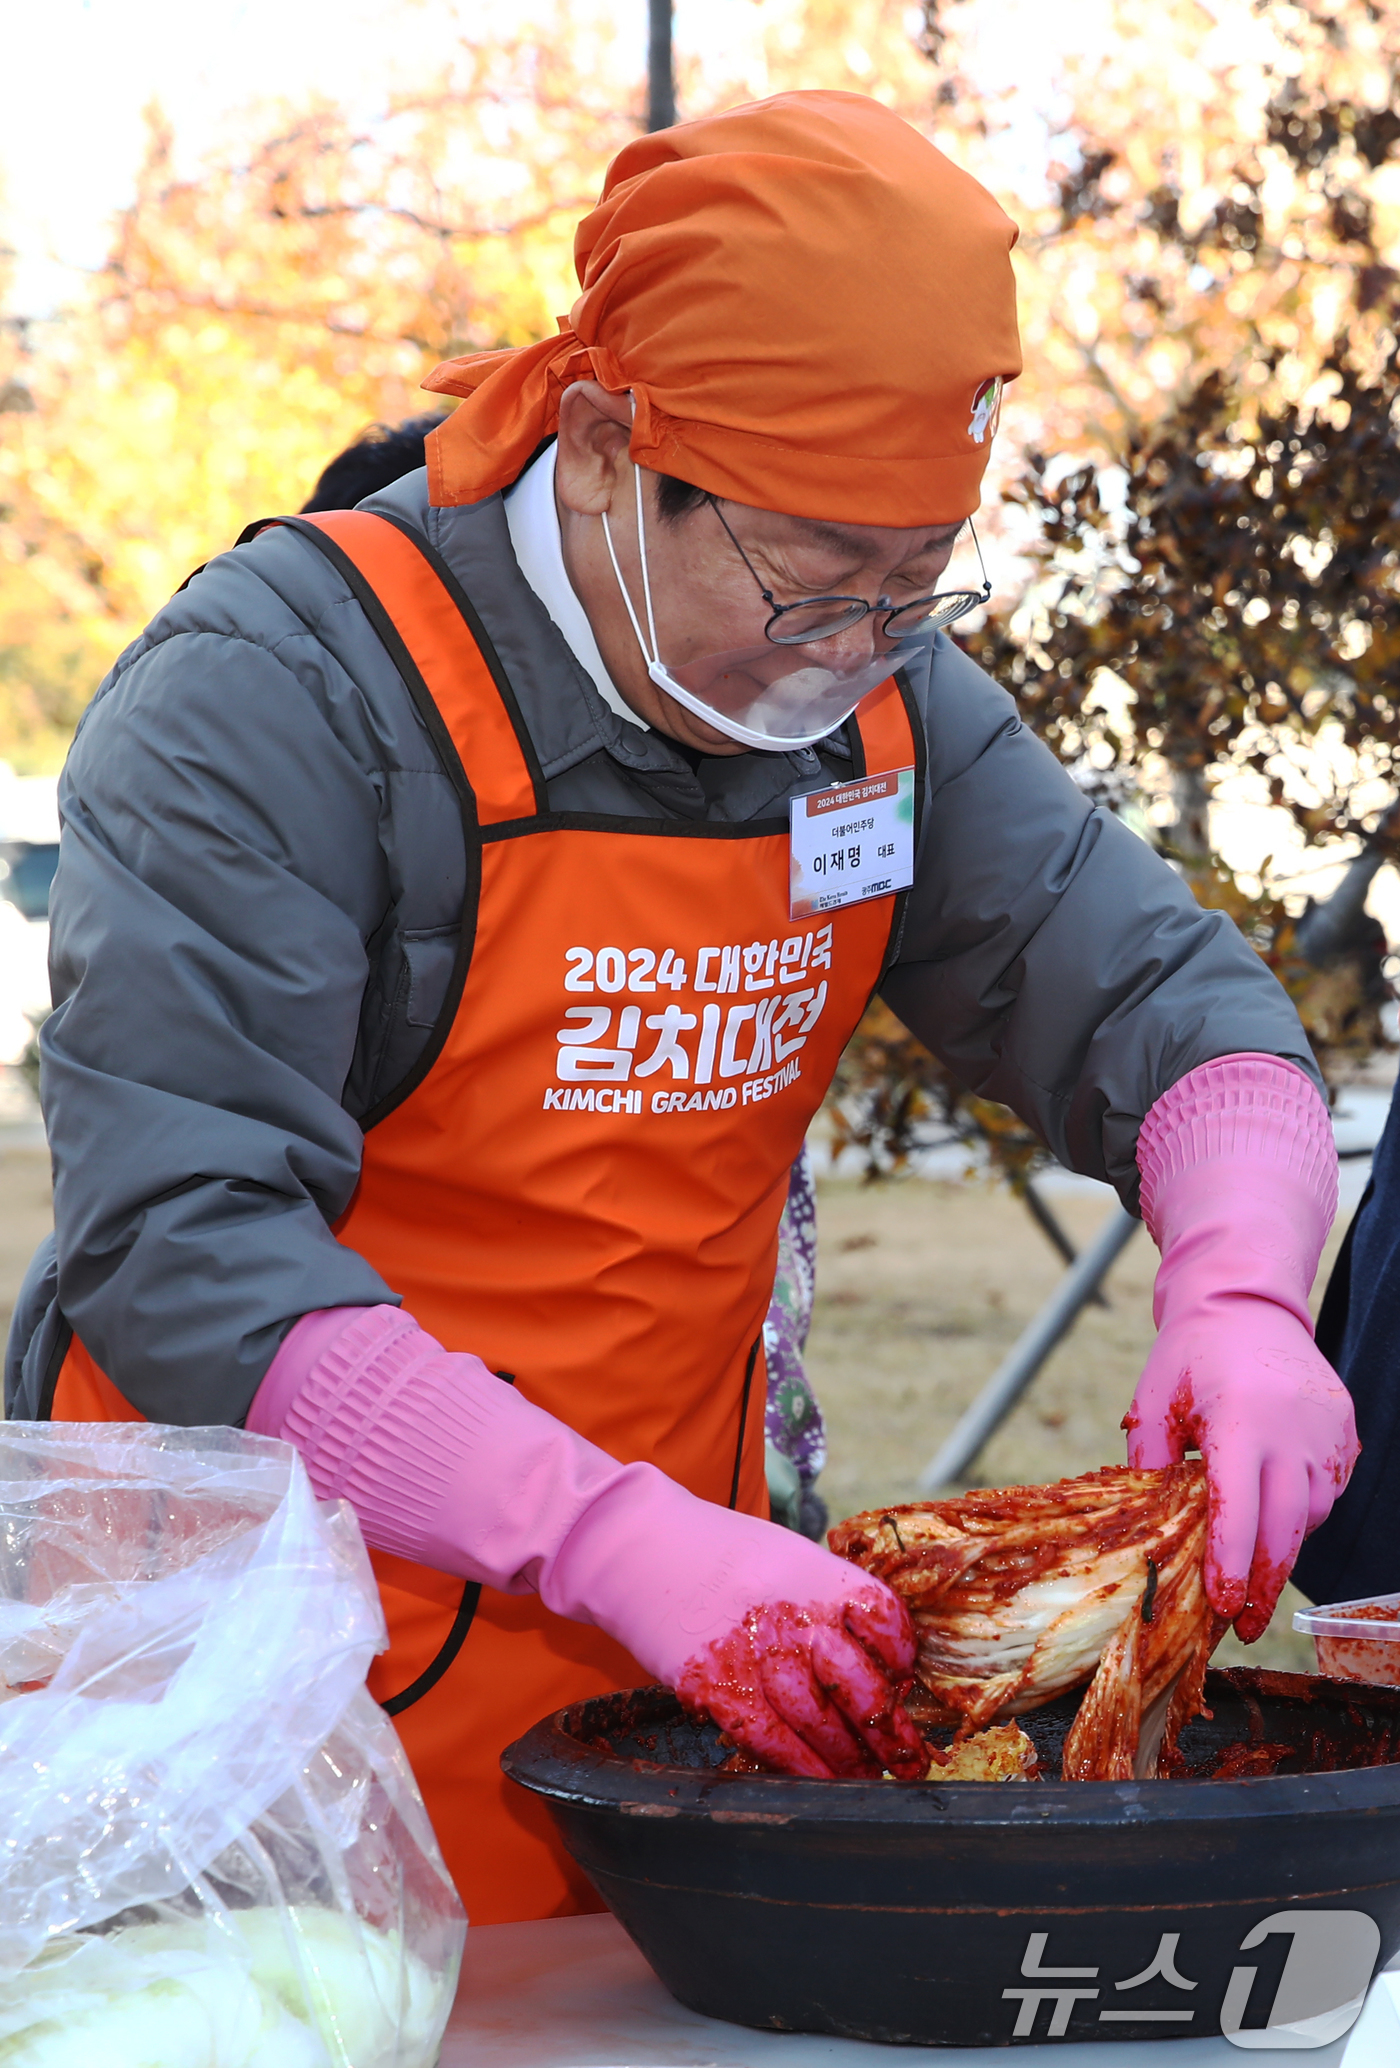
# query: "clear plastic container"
[1356,1640]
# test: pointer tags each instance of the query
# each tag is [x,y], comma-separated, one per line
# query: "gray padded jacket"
[257,906]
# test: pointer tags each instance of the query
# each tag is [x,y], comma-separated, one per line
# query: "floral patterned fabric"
[794,1423]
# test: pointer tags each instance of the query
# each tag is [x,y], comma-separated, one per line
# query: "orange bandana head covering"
[812,307]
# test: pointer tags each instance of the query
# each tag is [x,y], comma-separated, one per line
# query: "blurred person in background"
[376,459]
[1356,1552]
[444,980]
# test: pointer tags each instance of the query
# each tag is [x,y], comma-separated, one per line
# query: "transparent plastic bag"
[214,1852]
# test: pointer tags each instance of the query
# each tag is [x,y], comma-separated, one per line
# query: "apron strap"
[430,629]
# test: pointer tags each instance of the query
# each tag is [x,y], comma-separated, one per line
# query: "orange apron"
[582,1178]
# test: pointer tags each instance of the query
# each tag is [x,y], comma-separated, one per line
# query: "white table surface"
[574,1992]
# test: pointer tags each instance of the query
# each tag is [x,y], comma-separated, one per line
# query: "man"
[795,1435]
[436,1022]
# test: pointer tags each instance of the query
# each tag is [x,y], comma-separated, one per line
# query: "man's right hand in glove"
[798,1656]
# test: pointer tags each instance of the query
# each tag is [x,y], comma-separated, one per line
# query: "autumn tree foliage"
[1226,548]
[1207,489]
[257,313]
[1219,605]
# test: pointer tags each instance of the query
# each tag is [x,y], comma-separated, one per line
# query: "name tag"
[852,843]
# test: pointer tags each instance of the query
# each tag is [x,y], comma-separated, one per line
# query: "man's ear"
[595,429]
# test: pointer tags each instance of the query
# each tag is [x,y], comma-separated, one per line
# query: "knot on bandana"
[813,308]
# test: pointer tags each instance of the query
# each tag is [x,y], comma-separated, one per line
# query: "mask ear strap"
[612,555]
[653,657]
[642,544]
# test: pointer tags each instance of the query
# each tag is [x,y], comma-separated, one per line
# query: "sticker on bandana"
[986,408]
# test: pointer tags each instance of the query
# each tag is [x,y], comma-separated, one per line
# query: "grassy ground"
[921,1289]
[26,1214]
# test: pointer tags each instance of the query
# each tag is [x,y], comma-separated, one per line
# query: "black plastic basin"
[973,1914]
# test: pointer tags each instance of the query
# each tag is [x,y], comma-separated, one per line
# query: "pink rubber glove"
[796,1654]
[1239,1187]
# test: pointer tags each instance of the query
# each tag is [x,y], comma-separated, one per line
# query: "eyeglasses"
[820,617]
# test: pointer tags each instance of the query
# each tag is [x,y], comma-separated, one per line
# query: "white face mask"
[765,695]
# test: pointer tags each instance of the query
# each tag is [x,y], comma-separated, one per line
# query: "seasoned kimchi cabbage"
[1019,1594]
